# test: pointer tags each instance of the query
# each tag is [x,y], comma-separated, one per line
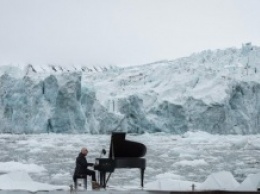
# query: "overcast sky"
[121,32]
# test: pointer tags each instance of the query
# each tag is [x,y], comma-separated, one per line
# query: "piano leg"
[142,177]
[102,179]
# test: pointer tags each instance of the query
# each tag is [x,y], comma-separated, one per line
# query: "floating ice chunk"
[200,162]
[253,144]
[168,175]
[6,167]
[59,176]
[197,134]
[22,181]
[239,143]
[220,181]
[251,183]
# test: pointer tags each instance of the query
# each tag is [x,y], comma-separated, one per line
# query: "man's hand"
[90,164]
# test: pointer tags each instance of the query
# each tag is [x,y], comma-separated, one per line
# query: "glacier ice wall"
[214,91]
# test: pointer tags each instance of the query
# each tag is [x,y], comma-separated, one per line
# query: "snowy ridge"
[214,91]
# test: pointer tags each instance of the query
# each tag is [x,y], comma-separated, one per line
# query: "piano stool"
[85,179]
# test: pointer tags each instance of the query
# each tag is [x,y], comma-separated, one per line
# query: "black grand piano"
[123,154]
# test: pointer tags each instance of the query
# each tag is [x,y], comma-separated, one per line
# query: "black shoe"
[95,185]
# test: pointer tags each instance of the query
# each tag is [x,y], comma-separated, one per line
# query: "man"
[82,170]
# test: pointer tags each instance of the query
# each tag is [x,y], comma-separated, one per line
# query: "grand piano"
[123,154]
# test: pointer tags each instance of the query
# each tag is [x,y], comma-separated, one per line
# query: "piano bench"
[80,182]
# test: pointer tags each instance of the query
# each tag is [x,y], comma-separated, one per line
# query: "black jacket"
[81,165]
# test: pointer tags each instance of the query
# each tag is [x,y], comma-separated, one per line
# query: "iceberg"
[251,183]
[220,181]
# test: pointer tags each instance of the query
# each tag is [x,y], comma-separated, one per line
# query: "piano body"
[123,154]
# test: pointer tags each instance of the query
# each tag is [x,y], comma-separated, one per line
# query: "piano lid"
[120,147]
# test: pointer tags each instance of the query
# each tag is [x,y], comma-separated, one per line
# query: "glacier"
[213,91]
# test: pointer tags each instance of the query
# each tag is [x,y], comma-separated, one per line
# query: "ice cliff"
[214,91]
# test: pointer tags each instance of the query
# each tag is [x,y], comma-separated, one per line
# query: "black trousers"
[91,173]
[86,172]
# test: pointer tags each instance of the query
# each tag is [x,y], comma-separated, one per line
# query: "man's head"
[84,151]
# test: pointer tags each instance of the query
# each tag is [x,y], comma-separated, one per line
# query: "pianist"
[82,165]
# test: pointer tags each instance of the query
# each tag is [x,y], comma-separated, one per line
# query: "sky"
[121,32]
